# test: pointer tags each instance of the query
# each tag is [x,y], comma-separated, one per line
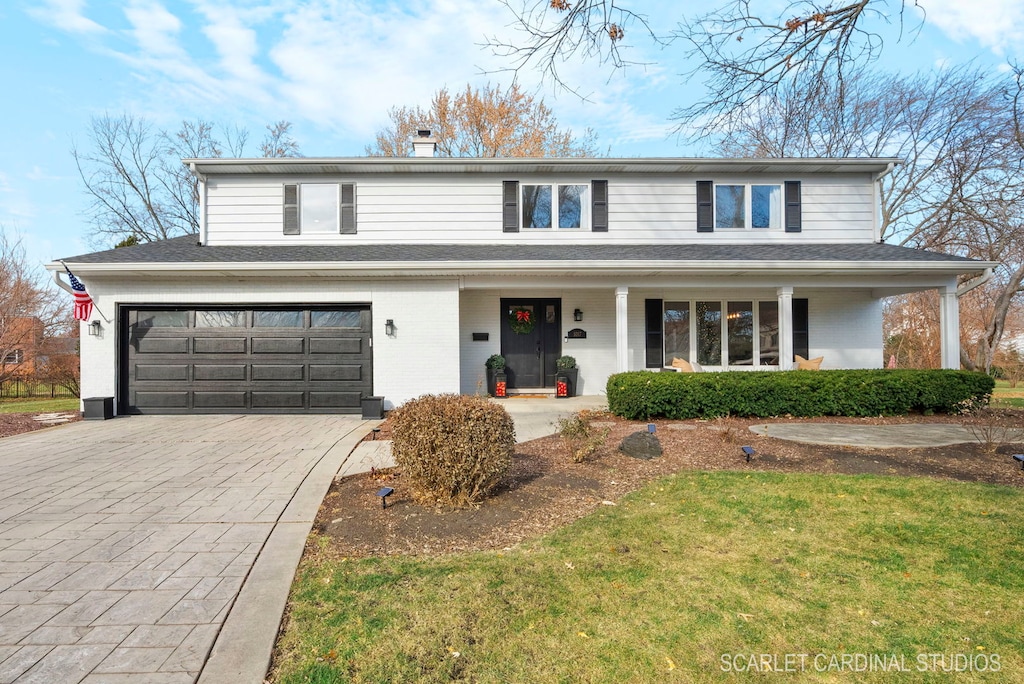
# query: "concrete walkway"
[153,548]
[882,436]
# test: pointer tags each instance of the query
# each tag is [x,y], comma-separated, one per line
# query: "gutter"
[201,177]
[876,185]
[971,284]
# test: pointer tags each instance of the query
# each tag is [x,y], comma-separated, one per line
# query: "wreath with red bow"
[521,320]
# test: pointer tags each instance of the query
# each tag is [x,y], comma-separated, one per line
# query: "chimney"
[424,144]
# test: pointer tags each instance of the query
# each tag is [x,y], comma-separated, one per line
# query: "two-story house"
[314,282]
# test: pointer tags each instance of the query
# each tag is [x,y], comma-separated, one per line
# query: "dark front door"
[530,352]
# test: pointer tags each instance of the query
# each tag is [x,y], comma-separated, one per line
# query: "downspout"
[876,190]
[202,201]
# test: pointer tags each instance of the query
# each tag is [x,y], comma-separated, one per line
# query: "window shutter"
[291,210]
[348,208]
[599,208]
[705,210]
[510,207]
[801,328]
[793,212]
[654,318]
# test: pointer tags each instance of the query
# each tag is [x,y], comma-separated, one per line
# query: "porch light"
[748,451]
[577,315]
[389,328]
[384,493]
[1020,459]
[95,328]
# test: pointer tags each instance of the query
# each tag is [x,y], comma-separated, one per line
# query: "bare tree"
[278,141]
[484,122]
[741,54]
[29,310]
[134,178]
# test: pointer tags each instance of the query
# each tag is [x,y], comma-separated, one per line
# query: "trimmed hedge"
[640,395]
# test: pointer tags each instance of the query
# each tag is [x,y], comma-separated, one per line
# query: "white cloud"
[66,15]
[996,24]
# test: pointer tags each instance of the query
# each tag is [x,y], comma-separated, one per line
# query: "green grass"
[1008,397]
[693,568]
[38,405]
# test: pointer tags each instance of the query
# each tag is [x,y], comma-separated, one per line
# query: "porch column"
[785,328]
[621,330]
[949,325]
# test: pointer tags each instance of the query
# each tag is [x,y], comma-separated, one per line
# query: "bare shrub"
[453,449]
[987,430]
[579,437]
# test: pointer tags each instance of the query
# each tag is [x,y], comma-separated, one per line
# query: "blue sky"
[333,68]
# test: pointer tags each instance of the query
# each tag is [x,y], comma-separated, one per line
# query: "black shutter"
[510,207]
[291,210]
[794,220]
[801,327]
[599,208]
[705,209]
[348,208]
[654,318]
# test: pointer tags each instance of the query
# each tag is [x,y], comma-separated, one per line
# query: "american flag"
[83,302]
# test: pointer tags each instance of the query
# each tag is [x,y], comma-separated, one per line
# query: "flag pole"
[67,288]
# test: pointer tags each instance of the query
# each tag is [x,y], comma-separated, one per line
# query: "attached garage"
[245,360]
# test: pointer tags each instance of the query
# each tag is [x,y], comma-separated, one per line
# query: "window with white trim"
[555,205]
[748,206]
[319,209]
[13,357]
[722,333]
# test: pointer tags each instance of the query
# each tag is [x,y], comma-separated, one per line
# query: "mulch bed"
[545,489]
[17,423]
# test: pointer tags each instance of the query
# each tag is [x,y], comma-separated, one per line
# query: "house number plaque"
[576,334]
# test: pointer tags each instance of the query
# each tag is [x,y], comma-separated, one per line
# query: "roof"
[184,254]
[588,165]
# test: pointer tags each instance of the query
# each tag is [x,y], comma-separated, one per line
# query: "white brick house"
[314,282]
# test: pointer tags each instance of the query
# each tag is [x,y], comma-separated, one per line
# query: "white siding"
[467,209]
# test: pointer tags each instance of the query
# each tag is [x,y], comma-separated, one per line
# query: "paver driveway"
[124,544]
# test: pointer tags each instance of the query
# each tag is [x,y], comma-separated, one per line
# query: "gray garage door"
[251,360]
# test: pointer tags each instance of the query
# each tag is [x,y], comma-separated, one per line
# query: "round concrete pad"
[878,436]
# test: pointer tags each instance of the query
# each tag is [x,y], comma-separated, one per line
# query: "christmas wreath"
[521,320]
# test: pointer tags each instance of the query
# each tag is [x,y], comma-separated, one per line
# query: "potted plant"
[568,373]
[495,366]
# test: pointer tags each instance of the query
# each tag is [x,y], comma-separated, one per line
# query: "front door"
[531,340]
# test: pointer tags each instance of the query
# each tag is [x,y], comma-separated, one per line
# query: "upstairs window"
[555,206]
[748,206]
[319,209]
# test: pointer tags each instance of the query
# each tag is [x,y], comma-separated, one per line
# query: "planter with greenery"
[566,371]
[495,366]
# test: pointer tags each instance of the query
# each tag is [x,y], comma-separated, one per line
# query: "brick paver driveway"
[124,543]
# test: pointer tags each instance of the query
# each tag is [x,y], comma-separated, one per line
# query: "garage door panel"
[212,360]
[220,345]
[278,400]
[338,345]
[335,400]
[151,344]
[265,373]
[218,400]
[161,400]
[220,372]
[338,373]
[277,345]
[172,372]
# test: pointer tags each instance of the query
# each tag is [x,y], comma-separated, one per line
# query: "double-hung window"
[555,206]
[319,209]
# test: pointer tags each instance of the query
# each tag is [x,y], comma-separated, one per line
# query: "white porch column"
[785,328]
[949,317]
[621,330]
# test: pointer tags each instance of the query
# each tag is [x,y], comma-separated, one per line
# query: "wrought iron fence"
[19,389]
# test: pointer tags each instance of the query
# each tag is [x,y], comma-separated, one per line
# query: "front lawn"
[696,574]
[39,405]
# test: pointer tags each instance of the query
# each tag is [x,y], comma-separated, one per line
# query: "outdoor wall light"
[95,328]
[389,328]
[577,315]
[384,493]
